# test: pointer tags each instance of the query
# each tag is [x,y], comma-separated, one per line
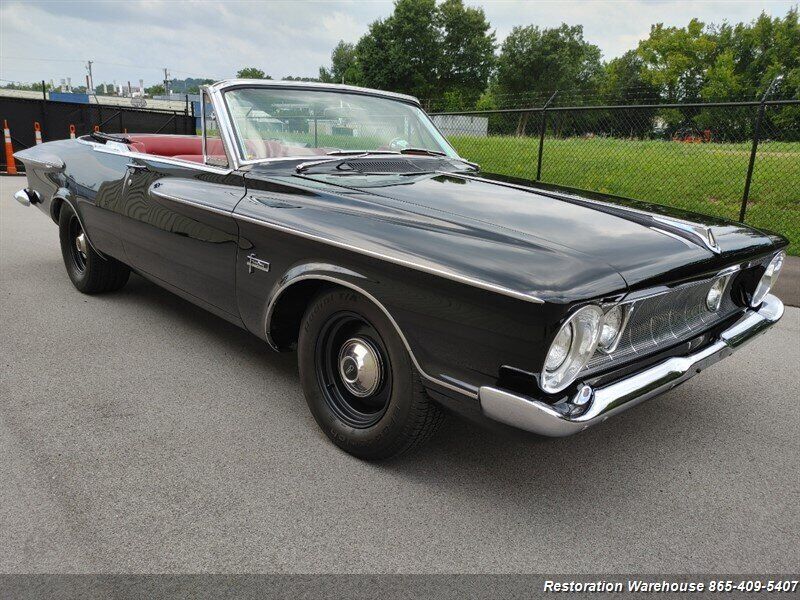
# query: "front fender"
[308,272]
[334,275]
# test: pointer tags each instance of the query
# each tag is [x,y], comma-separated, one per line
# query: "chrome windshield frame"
[227,132]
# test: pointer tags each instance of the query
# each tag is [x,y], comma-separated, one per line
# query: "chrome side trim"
[164,196]
[570,417]
[287,284]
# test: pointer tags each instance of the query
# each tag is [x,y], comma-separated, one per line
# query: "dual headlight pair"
[585,331]
[589,329]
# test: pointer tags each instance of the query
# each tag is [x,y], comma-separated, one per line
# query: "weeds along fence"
[55,119]
[736,160]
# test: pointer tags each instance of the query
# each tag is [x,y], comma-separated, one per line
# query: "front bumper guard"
[604,402]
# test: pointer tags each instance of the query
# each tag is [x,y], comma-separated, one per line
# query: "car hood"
[644,243]
[554,247]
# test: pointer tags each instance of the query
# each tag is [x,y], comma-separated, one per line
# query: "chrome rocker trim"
[547,420]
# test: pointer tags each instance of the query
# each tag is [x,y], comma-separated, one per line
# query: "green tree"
[624,84]
[536,61]
[444,52]
[676,58]
[401,52]
[624,80]
[726,62]
[154,90]
[466,55]
[344,66]
[251,73]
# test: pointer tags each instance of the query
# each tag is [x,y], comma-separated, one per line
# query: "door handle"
[136,167]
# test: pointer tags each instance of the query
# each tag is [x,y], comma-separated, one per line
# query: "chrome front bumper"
[558,420]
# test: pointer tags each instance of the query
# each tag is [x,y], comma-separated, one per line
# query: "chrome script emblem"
[256,263]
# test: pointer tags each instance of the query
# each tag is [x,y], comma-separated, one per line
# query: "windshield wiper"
[303,167]
[424,151]
[361,152]
[342,156]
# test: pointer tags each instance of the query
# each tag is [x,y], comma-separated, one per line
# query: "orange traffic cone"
[72,132]
[11,166]
[37,132]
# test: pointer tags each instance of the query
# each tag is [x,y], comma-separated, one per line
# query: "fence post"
[753,150]
[542,129]
[756,134]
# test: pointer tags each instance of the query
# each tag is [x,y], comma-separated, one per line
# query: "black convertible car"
[339,221]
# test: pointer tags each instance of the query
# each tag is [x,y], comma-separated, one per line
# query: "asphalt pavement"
[140,434]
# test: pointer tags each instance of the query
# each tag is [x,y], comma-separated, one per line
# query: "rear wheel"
[89,272]
[358,378]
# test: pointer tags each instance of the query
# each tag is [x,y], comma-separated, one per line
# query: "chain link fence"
[736,160]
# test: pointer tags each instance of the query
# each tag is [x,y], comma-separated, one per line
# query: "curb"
[787,287]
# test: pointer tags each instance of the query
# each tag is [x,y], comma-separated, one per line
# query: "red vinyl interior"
[189,147]
[186,147]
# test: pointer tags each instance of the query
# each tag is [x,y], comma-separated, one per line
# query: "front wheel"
[358,378]
[89,272]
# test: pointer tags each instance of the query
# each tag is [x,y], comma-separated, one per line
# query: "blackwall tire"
[89,272]
[397,415]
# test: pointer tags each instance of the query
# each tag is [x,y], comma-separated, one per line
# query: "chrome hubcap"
[360,367]
[80,244]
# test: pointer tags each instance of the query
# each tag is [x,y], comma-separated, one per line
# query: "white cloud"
[134,39]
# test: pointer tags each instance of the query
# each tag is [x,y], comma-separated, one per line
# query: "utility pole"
[91,79]
[166,81]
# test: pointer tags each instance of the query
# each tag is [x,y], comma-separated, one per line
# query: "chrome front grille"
[662,320]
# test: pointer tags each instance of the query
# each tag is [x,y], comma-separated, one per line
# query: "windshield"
[274,122]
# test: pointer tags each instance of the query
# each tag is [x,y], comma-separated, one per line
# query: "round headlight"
[571,349]
[612,323]
[559,349]
[714,296]
[768,279]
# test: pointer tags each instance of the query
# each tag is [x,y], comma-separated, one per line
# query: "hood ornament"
[703,233]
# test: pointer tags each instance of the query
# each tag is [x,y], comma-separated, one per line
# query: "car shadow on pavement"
[465,458]
[230,337]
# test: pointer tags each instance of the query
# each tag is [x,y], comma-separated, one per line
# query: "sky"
[130,40]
